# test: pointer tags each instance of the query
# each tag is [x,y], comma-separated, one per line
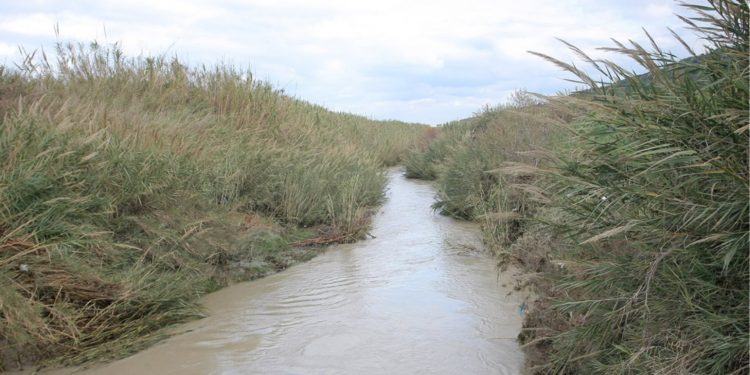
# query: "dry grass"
[635,226]
[126,184]
[485,165]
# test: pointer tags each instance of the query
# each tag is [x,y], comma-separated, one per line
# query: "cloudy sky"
[426,61]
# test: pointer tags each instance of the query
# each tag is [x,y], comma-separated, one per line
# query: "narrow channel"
[420,297]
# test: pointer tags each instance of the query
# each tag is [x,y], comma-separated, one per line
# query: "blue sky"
[427,61]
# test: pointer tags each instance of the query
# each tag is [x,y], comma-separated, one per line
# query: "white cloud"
[659,10]
[7,53]
[421,60]
[7,49]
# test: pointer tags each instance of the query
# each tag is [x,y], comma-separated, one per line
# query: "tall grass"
[130,186]
[477,163]
[636,226]
[655,204]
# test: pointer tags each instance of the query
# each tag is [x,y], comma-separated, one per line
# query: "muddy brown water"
[419,298]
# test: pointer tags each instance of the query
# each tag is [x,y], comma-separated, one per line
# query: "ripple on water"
[421,297]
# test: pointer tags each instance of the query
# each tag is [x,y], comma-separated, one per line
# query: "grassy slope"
[129,187]
[477,165]
[635,229]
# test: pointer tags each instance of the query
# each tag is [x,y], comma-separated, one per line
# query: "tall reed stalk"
[631,214]
[129,187]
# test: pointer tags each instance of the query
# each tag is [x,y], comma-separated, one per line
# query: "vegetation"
[636,227]
[129,187]
[482,165]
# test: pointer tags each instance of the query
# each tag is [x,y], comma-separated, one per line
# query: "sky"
[428,61]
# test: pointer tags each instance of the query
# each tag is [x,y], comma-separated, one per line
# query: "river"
[419,298]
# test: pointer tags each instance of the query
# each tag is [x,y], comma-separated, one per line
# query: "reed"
[472,161]
[130,186]
[631,213]
[652,204]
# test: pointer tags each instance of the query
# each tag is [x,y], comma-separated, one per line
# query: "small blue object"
[522,309]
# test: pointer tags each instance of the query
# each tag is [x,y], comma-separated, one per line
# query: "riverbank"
[131,187]
[420,294]
[626,202]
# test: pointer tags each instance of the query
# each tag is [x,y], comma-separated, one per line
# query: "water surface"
[419,298]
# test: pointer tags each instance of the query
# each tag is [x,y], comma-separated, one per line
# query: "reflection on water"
[417,298]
